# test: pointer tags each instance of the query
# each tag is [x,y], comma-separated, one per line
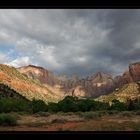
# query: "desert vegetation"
[68,104]
[8,119]
[68,114]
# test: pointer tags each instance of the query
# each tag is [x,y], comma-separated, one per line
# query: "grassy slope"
[25,86]
[127,91]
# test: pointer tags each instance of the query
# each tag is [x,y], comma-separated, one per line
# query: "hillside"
[25,86]
[8,93]
[95,85]
[92,86]
[128,91]
[39,83]
[37,73]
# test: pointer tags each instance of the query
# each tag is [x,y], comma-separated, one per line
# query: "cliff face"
[37,82]
[126,78]
[37,73]
[130,75]
[101,83]
[134,70]
[25,86]
[98,84]
[92,86]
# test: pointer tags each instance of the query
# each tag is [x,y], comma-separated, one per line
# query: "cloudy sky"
[70,41]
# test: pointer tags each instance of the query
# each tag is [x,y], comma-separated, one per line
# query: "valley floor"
[124,121]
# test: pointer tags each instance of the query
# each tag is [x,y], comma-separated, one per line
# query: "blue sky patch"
[9,50]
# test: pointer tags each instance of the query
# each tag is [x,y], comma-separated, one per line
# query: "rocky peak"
[130,75]
[97,84]
[101,77]
[35,72]
[134,70]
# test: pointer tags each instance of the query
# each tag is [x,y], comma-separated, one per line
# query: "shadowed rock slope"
[25,86]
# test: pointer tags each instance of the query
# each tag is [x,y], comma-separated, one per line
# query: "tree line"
[68,104]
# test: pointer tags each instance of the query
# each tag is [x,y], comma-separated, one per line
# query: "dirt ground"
[113,122]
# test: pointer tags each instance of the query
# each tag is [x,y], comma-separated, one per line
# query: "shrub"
[7,119]
[69,113]
[117,105]
[44,114]
[135,104]
[78,113]
[91,115]
[137,112]
[103,112]
[110,112]
[58,121]
[15,105]
[126,114]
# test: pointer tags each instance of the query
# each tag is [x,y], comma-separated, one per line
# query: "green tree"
[117,105]
[86,105]
[68,104]
[38,105]
[53,107]
[102,106]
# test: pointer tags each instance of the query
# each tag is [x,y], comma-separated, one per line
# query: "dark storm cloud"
[124,36]
[72,41]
